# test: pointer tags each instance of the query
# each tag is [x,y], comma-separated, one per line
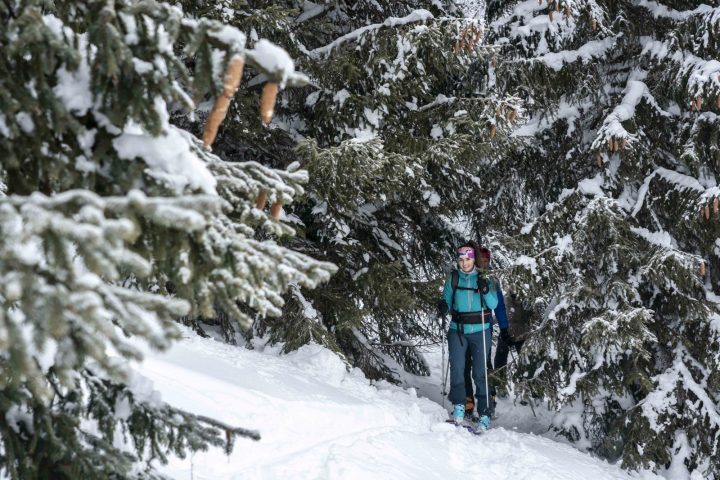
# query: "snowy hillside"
[320,422]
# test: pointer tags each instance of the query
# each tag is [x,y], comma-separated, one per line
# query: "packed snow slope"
[319,421]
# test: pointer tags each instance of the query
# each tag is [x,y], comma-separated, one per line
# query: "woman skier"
[470,298]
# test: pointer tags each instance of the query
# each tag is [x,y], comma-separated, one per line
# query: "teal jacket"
[468,300]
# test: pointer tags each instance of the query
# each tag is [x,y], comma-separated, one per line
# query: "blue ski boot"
[458,413]
[483,424]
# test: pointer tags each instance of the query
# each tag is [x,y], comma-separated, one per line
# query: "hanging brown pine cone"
[261,199]
[478,36]
[462,42]
[702,268]
[593,24]
[267,101]
[707,212]
[715,205]
[220,107]
[275,210]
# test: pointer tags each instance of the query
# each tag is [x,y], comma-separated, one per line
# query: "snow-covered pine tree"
[395,139]
[608,215]
[113,223]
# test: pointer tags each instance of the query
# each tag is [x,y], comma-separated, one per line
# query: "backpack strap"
[454,279]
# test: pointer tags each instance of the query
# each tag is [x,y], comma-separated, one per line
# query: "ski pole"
[487,390]
[445,365]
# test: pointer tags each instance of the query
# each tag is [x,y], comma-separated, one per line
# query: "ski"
[467,426]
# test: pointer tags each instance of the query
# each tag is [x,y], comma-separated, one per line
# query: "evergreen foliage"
[605,214]
[389,125]
[598,202]
[114,223]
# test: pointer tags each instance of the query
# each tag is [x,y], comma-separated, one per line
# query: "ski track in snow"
[319,421]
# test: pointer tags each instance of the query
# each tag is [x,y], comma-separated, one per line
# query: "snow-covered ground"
[319,421]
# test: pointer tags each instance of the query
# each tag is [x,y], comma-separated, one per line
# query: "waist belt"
[465,329]
[472,317]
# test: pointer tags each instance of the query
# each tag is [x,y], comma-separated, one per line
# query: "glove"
[443,308]
[484,285]
[505,336]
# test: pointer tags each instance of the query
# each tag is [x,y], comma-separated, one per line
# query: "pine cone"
[478,36]
[267,101]
[261,199]
[275,210]
[220,107]
[707,212]
[715,205]
[702,268]
[599,160]
[593,24]
[464,40]
[493,131]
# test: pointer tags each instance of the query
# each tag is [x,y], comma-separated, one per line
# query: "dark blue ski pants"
[457,348]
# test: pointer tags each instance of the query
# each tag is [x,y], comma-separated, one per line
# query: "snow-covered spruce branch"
[310,11]
[250,178]
[701,77]
[415,16]
[254,272]
[230,431]
[126,408]
[43,237]
[679,181]
[663,401]
[265,57]
[659,10]
[62,259]
[525,24]
[612,130]
[610,336]
[587,53]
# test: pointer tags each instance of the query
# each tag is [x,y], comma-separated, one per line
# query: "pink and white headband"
[466,252]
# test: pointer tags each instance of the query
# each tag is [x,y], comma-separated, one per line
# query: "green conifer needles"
[115,223]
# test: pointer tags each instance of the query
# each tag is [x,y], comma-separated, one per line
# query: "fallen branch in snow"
[405,344]
[229,431]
